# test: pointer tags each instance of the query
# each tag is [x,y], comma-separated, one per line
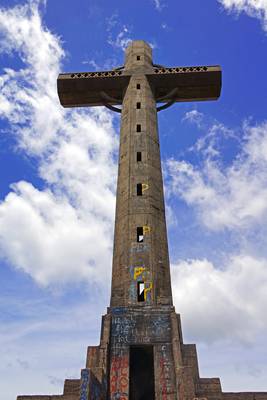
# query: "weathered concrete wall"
[72,387]
[135,326]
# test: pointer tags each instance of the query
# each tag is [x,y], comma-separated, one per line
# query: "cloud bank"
[253,8]
[222,304]
[64,231]
[227,199]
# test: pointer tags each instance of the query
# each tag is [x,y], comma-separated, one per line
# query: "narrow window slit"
[140,234]
[140,291]
[138,86]
[138,58]
[138,156]
[138,105]
[138,128]
[139,190]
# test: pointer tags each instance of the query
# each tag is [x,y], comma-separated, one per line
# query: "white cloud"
[159,5]
[46,237]
[120,36]
[222,304]
[228,289]
[230,200]
[227,197]
[65,231]
[213,133]
[122,39]
[193,116]
[253,8]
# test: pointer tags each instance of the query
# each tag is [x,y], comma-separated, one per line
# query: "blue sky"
[58,178]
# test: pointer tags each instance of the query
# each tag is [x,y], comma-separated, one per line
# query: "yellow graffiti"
[138,271]
[146,229]
[144,186]
[148,289]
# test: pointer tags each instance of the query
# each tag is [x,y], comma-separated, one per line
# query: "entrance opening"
[142,386]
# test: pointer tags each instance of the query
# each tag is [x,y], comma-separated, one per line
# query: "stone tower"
[141,355]
[140,260]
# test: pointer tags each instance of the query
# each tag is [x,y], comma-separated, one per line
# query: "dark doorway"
[142,385]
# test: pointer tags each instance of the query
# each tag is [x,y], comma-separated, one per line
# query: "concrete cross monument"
[141,355]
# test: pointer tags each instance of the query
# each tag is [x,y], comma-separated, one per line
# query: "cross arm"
[191,83]
[83,89]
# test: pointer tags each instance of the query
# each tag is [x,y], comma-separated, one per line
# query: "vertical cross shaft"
[141,273]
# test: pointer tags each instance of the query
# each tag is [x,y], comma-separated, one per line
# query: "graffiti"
[161,324]
[118,310]
[148,290]
[165,373]
[141,274]
[122,328]
[119,378]
[138,271]
[135,328]
[84,390]
[144,186]
[139,248]
[146,229]
[90,388]
[119,396]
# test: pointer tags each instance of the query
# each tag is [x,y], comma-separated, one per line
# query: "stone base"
[106,376]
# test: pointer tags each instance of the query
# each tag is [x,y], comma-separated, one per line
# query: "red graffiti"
[162,379]
[165,377]
[119,378]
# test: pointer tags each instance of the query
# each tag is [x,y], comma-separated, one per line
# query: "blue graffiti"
[119,395]
[91,389]
[118,310]
[139,248]
[84,384]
